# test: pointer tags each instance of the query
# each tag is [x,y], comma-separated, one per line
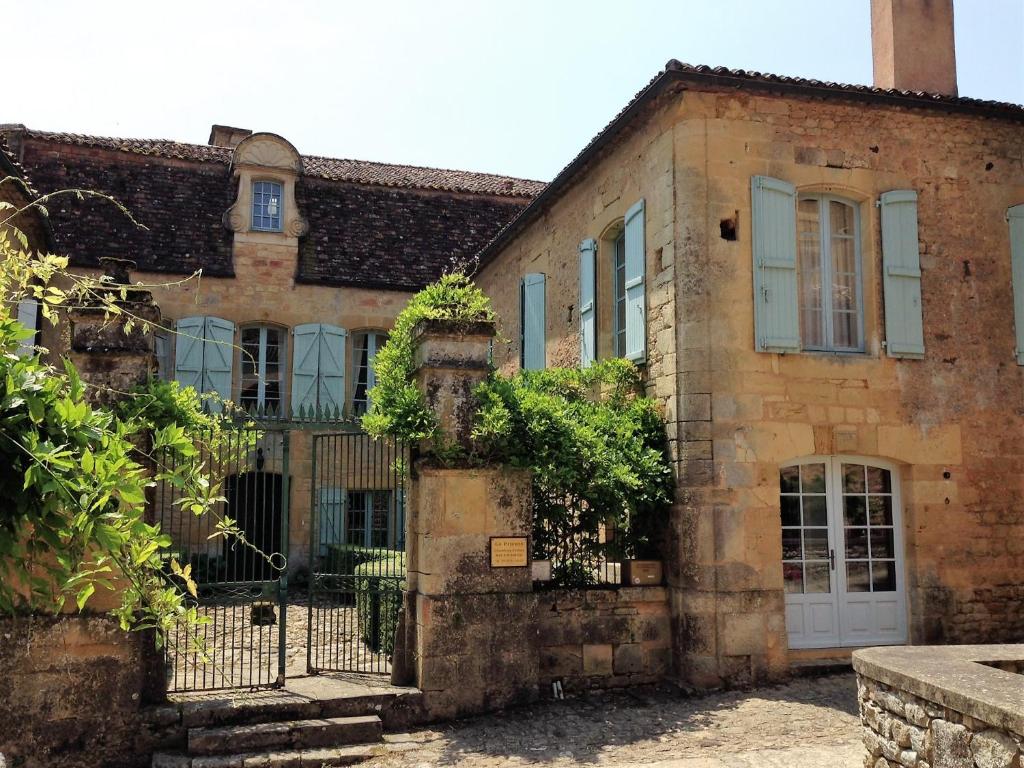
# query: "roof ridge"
[437,168]
[319,166]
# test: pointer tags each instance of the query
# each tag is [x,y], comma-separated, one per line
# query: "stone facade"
[950,422]
[603,638]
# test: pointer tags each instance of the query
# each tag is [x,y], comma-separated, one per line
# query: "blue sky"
[513,87]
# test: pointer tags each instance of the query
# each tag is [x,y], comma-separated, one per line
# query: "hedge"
[379,587]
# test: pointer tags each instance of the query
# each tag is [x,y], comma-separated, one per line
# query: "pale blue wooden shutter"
[305,368]
[635,263]
[533,321]
[28,316]
[218,357]
[331,384]
[1016,218]
[188,352]
[776,302]
[901,275]
[332,518]
[588,313]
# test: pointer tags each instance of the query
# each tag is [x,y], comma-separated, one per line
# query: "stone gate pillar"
[104,355]
[471,619]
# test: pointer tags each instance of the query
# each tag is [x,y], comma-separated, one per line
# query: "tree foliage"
[73,476]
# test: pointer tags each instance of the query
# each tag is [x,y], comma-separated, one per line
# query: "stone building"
[824,285]
[277,275]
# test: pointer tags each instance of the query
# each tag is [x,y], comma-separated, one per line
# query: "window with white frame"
[266,206]
[366,347]
[261,367]
[828,254]
[619,296]
[369,518]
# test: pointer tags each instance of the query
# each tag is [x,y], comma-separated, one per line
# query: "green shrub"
[343,559]
[379,587]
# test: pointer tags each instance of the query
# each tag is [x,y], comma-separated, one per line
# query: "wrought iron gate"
[357,552]
[241,582]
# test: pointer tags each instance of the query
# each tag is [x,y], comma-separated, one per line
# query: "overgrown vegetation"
[73,477]
[398,408]
[594,443]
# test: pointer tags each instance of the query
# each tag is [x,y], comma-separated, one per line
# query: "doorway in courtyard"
[262,619]
[357,553]
[842,552]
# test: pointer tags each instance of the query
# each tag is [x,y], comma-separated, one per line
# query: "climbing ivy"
[594,443]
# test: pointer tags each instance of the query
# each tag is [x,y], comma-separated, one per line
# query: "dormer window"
[266,206]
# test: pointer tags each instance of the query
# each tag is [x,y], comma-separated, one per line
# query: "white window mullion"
[261,370]
[824,216]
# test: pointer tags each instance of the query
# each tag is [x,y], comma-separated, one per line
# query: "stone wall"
[901,729]
[603,638]
[951,423]
[73,693]
[949,707]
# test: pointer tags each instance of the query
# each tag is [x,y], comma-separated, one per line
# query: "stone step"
[289,734]
[314,757]
[304,699]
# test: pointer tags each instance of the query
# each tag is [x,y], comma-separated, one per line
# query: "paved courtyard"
[809,723]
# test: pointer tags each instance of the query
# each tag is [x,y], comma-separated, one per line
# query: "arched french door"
[842,552]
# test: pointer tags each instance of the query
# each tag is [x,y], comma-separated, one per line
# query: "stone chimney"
[226,136]
[912,45]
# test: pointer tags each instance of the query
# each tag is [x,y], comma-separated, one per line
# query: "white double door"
[842,553]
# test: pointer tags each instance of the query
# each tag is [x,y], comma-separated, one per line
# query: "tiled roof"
[370,224]
[336,169]
[179,207]
[391,238]
[678,75]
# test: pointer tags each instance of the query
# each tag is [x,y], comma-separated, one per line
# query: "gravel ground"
[809,723]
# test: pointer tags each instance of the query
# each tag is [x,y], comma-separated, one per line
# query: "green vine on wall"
[594,443]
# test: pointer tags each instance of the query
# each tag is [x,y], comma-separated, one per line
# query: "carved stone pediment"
[267,150]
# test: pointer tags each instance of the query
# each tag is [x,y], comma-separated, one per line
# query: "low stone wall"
[602,638]
[73,692]
[942,707]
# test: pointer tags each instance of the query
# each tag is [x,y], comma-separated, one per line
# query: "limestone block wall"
[603,638]
[952,421]
[72,692]
[901,729]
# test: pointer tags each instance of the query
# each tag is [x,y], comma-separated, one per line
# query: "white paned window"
[828,251]
[619,296]
[261,368]
[267,203]
[366,348]
[369,518]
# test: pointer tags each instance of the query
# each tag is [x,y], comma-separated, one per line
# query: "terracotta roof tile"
[336,169]
[370,224]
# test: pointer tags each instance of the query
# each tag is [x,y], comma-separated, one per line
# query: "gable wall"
[735,415]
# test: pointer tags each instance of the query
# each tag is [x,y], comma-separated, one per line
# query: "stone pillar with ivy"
[470,611]
[110,346]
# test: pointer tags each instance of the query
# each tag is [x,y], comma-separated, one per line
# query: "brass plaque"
[509,552]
